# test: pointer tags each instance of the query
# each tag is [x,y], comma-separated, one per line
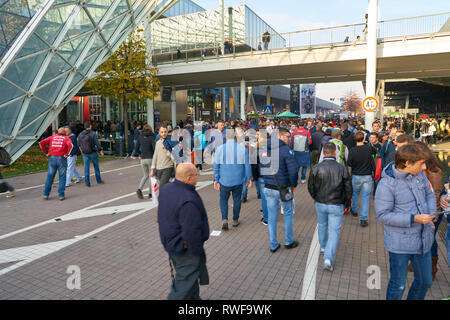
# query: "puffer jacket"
[399,197]
[282,164]
[329,183]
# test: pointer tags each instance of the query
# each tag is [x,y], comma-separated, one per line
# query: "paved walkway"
[441,147]
[113,238]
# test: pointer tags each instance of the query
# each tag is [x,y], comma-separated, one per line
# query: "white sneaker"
[303,181]
[327,265]
[77,181]
[11,194]
[322,251]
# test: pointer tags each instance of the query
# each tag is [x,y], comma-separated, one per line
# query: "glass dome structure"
[49,49]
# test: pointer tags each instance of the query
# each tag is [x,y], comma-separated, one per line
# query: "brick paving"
[125,260]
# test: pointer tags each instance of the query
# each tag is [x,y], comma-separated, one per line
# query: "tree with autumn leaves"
[127,76]
[353,103]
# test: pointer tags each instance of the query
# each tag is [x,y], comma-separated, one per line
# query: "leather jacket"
[329,183]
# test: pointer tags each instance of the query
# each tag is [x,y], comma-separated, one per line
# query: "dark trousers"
[237,200]
[189,271]
[164,176]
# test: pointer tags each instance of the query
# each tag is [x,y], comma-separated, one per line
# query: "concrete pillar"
[222,103]
[108,109]
[407,102]
[242,95]
[173,100]
[268,98]
[371,63]
[151,113]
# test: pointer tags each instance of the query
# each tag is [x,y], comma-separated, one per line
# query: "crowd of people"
[348,164]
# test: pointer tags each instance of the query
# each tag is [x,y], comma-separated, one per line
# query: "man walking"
[316,145]
[72,159]
[360,160]
[146,143]
[162,162]
[89,146]
[284,177]
[266,39]
[330,186]
[184,228]
[57,148]
[231,171]
[300,143]
[341,149]
[404,203]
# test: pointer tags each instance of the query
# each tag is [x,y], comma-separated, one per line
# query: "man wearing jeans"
[231,170]
[280,170]
[404,204]
[89,146]
[330,187]
[57,148]
[360,160]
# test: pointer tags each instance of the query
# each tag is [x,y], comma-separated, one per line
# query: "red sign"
[425,116]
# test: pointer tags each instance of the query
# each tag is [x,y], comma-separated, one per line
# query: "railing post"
[310,44]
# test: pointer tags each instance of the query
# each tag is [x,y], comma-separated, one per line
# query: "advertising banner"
[295,99]
[308,101]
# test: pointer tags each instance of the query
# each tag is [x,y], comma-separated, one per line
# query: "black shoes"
[244,200]
[139,194]
[263,222]
[236,223]
[259,196]
[225,225]
[292,245]
[275,250]
[101,182]
[364,223]
[355,214]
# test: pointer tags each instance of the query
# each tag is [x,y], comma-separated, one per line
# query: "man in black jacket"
[89,146]
[146,142]
[183,228]
[330,187]
[316,144]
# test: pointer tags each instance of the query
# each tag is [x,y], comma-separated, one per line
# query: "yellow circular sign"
[370,104]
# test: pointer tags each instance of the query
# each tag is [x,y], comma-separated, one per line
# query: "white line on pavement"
[41,185]
[309,279]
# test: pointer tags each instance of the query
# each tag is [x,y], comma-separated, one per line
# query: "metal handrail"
[312,41]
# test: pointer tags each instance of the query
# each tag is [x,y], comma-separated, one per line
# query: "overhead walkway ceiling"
[49,49]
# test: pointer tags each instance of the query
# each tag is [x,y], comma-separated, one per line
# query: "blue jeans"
[94,158]
[134,148]
[259,188]
[244,190]
[448,241]
[260,183]
[273,199]
[434,248]
[266,45]
[329,219]
[72,170]
[225,192]
[56,164]
[303,174]
[398,265]
[364,183]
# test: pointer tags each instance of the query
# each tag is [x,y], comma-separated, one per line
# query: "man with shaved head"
[57,148]
[183,228]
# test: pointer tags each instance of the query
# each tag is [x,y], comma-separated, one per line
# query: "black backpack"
[85,143]
[5,158]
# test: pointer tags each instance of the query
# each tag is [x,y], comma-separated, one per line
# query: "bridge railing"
[346,35]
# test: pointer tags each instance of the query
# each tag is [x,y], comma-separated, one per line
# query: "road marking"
[93,174]
[309,279]
[31,253]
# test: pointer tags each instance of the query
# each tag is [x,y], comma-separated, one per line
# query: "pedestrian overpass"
[417,47]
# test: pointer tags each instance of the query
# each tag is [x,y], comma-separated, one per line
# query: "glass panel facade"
[55,59]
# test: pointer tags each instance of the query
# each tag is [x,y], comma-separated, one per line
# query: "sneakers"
[101,182]
[303,181]
[322,251]
[62,198]
[225,225]
[275,250]
[11,194]
[149,196]
[263,222]
[244,200]
[139,194]
[293,245]
[236,223]
[45,197]
[327,265]
[355,214]
[77,181]
[68,185]
[259,196]
[364,223]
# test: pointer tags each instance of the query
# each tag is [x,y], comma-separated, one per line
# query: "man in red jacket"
[57,148]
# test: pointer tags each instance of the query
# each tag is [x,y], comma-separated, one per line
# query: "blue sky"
[295,15]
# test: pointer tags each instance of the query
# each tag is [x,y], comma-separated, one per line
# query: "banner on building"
[295,99]
[308,101]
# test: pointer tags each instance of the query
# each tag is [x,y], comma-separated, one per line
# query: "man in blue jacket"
[405,203]
[282,174]
[184,228]
[72,160]
[231,171]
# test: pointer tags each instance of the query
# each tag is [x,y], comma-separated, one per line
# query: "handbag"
[286,193]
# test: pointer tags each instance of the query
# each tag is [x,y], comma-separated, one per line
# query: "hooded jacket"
[399,197]
[146,141]
[282,164]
